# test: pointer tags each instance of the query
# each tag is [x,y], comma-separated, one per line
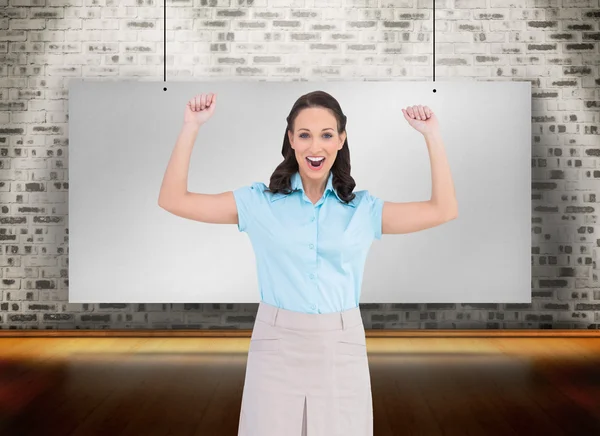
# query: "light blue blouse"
[309,258]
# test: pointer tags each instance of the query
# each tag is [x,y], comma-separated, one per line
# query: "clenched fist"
[200,108]
[422,119]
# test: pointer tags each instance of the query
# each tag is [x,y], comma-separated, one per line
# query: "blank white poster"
[124,248]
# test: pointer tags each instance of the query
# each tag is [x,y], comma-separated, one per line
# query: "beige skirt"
[307,375]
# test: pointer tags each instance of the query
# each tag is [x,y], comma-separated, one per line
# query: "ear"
[343,138]
[290,137]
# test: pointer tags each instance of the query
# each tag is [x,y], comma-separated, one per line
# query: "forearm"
[442,191]
[175,180]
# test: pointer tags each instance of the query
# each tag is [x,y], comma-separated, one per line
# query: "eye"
[329,135]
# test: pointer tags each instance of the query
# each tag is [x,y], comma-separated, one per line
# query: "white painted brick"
[20,295]
[451,14]
[473,48]
[504,26]
[64,3]
[527,14]
[579,3]
[128,12]
[64,24]
[27,24]
[537,36]
[454,37]
[563,14]
[470,4]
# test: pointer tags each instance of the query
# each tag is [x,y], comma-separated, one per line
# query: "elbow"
[446,211]
[452,214]
[166,199]
[162,203]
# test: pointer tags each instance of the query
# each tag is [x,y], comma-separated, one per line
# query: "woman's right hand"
[200,108]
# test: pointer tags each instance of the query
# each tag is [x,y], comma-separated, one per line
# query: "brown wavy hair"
[343,182]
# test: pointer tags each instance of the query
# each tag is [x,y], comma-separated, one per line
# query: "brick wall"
[552,43]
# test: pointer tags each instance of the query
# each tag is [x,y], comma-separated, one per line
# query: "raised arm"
[174,195]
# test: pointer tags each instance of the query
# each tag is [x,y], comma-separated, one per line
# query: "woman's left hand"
[421,118]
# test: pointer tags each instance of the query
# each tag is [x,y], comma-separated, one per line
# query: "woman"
[307,370]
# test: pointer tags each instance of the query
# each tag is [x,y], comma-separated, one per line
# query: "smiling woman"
[307,367]
[316,130]
[307,370]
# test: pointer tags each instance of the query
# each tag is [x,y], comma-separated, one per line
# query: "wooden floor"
[193,386]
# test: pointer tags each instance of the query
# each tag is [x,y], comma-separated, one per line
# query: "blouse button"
[312,276]
[312,219]
[311,246]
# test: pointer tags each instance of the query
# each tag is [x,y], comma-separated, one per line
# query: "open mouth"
[315,163]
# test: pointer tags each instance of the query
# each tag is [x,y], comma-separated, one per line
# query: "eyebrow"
[327,128]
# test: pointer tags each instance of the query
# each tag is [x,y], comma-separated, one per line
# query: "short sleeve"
[245,198]
[375,208]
